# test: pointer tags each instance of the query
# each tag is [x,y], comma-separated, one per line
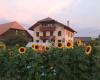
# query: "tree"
[18,39]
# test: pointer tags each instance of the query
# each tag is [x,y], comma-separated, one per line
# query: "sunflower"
[78,42]
[46,48]
[88,49]
[22,50]
[41,48]
[69,44]
[36,47]
[2,46]
[33,46]
[60,45]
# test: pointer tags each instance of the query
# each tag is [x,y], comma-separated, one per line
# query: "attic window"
[50,25]
[44,24]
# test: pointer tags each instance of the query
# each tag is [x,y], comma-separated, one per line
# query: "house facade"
[49,30]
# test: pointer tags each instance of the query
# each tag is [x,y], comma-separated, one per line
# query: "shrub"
[13,40]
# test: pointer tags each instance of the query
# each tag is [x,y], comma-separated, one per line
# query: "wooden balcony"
[47,37]
[44,29]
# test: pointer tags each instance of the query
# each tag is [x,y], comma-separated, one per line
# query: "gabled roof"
[50,20]
[46,19]
[12,25]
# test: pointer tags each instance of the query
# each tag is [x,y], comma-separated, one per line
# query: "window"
[71,35]
[52,40]
[33,39]
[68,34]
[59,33]
[50,25]
[44,25]
[51,33]
[59,40]
[44,33]
[44,41]
[23,33]
[16,32]
[37,41]
[37,33]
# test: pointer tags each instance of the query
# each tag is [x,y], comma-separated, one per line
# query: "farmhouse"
[13,29]
[49,30]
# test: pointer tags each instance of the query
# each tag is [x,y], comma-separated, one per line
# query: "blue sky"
[84,15]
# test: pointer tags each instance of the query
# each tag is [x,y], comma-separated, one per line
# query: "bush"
[13,40]
[55,64]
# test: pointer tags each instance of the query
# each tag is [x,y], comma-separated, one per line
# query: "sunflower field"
[50,62]
[54,63]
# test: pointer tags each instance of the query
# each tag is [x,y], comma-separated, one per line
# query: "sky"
[84,15]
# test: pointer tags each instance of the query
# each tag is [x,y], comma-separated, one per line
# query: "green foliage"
[13,40]
[96,42]
[55,64]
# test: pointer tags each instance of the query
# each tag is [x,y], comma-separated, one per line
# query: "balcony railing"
[47,37]
[47,28]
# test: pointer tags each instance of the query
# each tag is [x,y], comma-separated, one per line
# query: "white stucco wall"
[64,33]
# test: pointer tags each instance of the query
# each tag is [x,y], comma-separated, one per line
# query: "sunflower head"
[46,48]
[88,49]
[36,47]
[33,46]
[22,50]
[69,45]
[2,46]
[60,45]
[78,42]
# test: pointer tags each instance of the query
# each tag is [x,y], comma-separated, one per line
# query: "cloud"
[59,6]
[25,9]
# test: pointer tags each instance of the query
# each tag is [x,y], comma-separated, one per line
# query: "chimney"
[68,23]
